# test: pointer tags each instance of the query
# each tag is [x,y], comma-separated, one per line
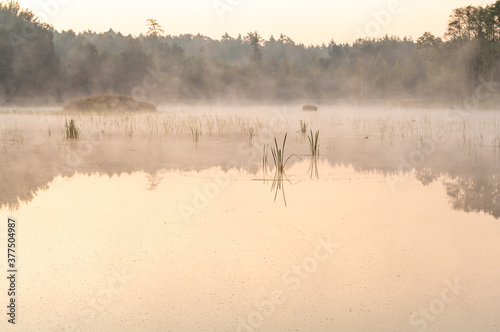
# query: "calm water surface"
[139,227]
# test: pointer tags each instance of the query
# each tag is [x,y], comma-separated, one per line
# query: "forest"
[38,63]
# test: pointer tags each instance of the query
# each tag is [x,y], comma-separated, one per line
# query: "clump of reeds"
[279,157]
[303,127]
[264,161]
[221,125]
[129,131]
[392,133]
[313,168]
[496,144]
[210,125]
[71,130]
[313,143]
[251,134]
[196,134]
[279,164]
[382,128]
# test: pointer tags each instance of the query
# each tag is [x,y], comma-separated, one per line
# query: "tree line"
[39,62]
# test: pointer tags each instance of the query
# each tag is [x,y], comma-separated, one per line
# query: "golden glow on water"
[115,253]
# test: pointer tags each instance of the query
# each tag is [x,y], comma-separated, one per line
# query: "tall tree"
[255,40]
[154,30]
[131,67]
[29,63]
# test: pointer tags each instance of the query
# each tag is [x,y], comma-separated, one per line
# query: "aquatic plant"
[196,134]
[210,123]
[71,130]
[279,164]
[221,125]
[129,131]
[313,168]
[264,161]
[313,143]
[251,134]
[303,126]
[279,156]
[382,128]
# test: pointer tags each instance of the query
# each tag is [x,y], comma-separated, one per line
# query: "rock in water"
[310,108]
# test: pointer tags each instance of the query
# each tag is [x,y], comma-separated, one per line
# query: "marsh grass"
[196,134]
[129,131]
[303,127]
[356,122]
[279,164]
[496,143]
[251,134]
[71,131]
[464,134]
[382,128]
[392,133]
[279,156]
[314,148]
[210,123]
[264,161]
[313,168]
[221,125]
[313,143]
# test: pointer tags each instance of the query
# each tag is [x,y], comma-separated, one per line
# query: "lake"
[180,220]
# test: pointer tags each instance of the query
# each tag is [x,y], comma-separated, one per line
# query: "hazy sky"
[309,22]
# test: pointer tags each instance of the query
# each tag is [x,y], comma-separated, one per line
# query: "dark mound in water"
[310,108]
[109,103]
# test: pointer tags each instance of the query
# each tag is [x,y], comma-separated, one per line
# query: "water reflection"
[277,186]
[20,183]
[233,233]
[313,168]
[26,169]
[154,180]
[426,176]
[474,194]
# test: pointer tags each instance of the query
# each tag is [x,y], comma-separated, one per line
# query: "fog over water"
[397,143]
